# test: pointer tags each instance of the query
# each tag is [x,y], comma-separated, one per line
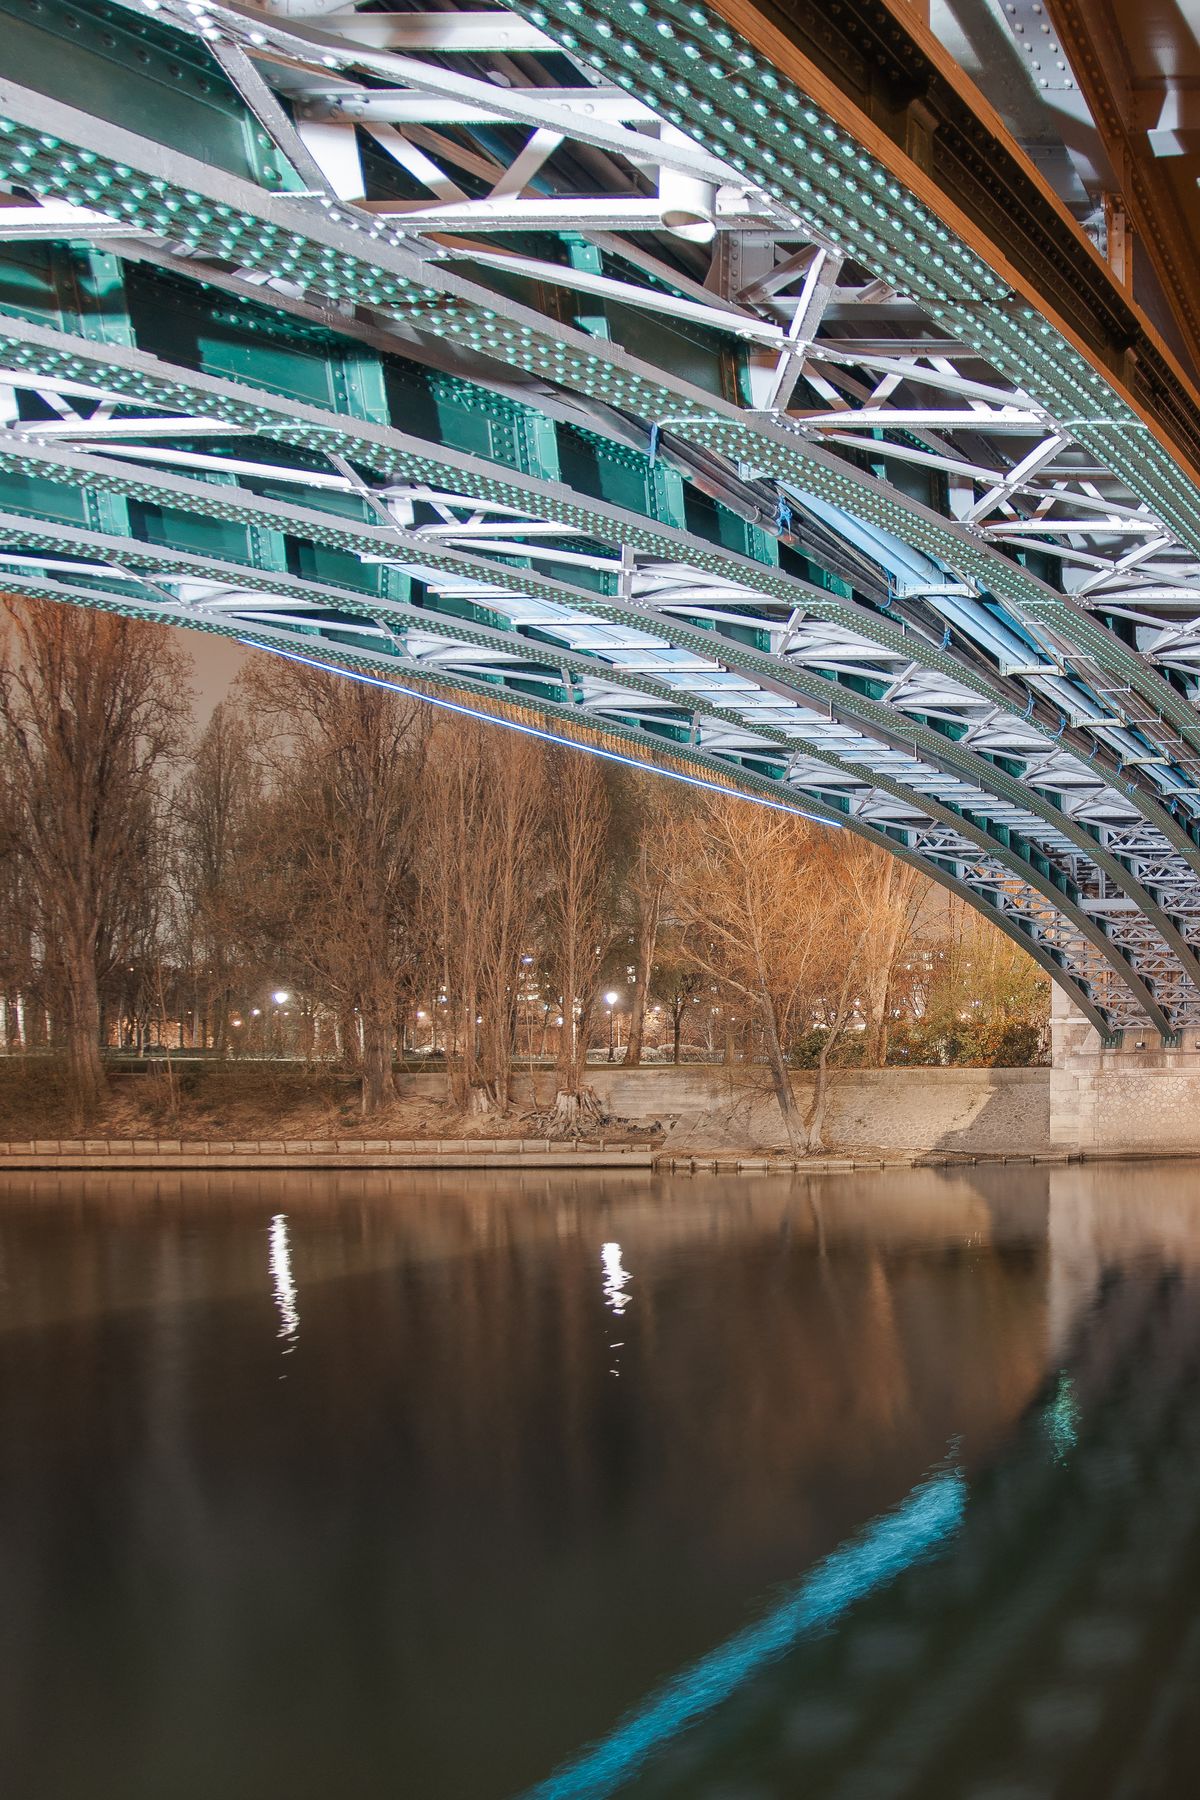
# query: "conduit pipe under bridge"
[722,391]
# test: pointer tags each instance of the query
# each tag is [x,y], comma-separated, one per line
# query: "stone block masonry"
[1138,1099]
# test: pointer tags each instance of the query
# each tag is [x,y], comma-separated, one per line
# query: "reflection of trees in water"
[473,1324]
[447,1443]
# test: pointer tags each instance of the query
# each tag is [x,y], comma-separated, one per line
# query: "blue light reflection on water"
[920,1524]
[1061,1418]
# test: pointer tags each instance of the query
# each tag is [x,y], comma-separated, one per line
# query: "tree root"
[573,1115]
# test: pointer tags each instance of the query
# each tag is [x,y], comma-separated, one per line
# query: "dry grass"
[223,1102]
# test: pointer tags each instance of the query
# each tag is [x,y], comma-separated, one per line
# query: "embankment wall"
[972,1111]
[1139,1097]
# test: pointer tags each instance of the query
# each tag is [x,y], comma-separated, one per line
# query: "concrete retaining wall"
[973,1111]
[1137,1100]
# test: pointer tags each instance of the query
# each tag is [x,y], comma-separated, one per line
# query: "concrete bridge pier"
[1138,1096]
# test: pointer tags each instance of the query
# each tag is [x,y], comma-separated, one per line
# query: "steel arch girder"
[815,461]
[640,748]
[1002,854]
[145,379]
[887,509]
[751,89]
[148,380]
[330,255]
[227,503]
[771,673]
[74,467]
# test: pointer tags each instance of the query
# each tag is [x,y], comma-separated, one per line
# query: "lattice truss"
[567,354]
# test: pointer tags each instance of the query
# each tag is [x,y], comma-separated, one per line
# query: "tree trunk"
[637,1025]
[573,1039]
[85,1068]
[348,1040]
[573,1092]
[647,941]
[564,1066]
[885,1030]
[498,1044]
[814,1124]
[464,1073]
[879,989]
[676,1033]
[378,1083]
[574,1113]
[780,1076]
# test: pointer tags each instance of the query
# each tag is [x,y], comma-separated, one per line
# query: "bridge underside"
[615,370]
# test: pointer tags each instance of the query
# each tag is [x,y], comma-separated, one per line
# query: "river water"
[554,1487]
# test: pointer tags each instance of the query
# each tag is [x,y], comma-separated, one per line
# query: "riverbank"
[237,1103]
[508,1156]
[695,1115]
[688,1112]
[513,1154]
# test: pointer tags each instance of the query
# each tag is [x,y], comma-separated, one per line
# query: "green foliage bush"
[983,1042]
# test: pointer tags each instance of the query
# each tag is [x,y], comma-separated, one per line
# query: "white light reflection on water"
[280,1263]
[616,1280]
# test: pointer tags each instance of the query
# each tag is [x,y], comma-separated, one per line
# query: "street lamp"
[610,1000]
[280,998]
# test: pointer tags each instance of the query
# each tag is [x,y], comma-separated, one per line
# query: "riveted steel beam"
[995,689]
[993,891]
[428,557]
[146,380]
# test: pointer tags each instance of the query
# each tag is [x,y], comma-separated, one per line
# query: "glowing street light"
[610,1000]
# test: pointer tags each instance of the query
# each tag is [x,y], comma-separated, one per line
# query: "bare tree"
[214,809]
[738,880]
[977,997]
[654,811]
[887,896]
[136,940]
[19,973]
[334,881]
[450,808]
[91,705]
[483,812]
[838,916]
[768,917]
[587,850]
[674,975]
[507,858]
